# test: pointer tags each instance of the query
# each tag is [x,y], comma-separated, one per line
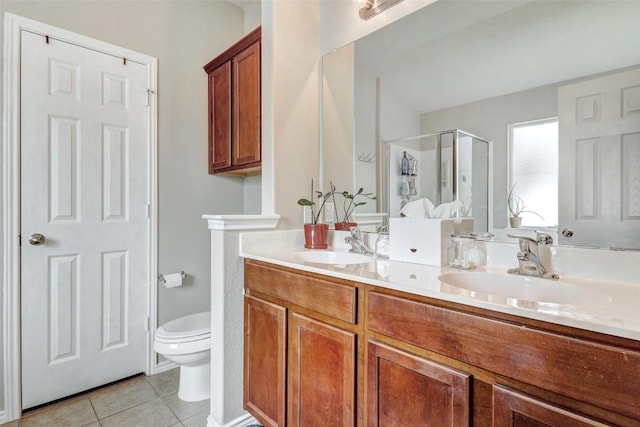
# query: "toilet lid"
[187,326]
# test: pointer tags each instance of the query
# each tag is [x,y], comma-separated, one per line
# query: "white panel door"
[84,160]
[599,161]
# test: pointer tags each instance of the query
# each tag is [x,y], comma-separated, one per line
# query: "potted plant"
[315,233]
[349,205]
[516,207]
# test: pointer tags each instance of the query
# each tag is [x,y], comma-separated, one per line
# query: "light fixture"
[370,8]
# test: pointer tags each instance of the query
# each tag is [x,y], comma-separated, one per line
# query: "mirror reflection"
[442,172]
[554,85]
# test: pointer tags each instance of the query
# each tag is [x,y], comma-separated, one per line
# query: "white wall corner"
[227,314]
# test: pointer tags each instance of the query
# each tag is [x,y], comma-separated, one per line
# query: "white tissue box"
[420,241]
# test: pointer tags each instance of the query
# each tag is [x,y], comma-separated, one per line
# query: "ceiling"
[453,52]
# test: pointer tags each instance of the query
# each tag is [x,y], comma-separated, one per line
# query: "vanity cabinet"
[523,372]
[234,108]
[349,353]
[302,336]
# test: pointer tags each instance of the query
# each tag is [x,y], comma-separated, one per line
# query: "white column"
[227,320]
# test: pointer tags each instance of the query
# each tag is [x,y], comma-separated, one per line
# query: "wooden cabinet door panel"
[512,409]
[322,374]
[547,360]
[265,340]
[407,390]
[246,107]
[220,117]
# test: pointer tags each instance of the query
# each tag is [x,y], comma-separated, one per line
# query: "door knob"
[36,239]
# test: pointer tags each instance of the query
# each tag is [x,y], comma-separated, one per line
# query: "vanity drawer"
[602,375]
[322,296]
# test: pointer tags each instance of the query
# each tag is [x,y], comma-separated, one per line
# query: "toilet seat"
[186,341]
[185,329]
[181,340]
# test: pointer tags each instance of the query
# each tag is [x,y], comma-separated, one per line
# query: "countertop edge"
[589,325]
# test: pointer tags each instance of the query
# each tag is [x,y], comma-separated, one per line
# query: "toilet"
[186,341]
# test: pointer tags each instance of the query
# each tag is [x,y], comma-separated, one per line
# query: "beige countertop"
[595,304]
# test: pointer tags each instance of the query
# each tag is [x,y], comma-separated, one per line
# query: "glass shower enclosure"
[442,167]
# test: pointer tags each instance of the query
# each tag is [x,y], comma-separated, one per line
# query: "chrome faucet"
[356,242]
[529,262]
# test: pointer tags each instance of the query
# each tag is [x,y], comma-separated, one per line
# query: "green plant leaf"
[305,202]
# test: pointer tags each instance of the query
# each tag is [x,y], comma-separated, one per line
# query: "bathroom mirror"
[494,68]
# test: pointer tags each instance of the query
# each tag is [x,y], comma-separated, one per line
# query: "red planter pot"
[315,236]
[345,226]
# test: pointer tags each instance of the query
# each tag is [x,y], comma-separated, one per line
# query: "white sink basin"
[522,288]
[333,257]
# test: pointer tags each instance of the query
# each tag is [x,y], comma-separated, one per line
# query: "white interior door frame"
[14,24]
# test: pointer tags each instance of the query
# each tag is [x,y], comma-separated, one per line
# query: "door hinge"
[19,240]
[148,211]
[149,92]
[148,324]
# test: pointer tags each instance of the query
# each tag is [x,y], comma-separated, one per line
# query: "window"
[533,170]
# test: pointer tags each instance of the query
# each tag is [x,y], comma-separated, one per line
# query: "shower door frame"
[386,199]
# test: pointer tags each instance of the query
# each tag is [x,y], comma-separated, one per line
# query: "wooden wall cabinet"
[361,355]
[234,108]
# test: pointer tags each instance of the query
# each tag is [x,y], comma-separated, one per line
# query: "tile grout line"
[165,403]
[127,409]
[94,409]
[156,392]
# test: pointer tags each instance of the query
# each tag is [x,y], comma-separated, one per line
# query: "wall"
[252,184]
[290,123]
[163,29]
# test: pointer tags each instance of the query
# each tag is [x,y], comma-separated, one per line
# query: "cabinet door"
[220,117]
[246,107]
[407,390]
[265,340]
[322,374]
[512,409]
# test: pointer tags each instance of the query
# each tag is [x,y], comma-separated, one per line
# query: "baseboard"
[165,366]
[242,421]
[4,417]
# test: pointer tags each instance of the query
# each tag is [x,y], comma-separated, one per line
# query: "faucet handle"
[544,238]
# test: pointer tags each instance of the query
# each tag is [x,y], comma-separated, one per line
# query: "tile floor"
[137,402]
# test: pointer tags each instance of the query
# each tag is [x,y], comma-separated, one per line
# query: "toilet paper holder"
[163,280]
